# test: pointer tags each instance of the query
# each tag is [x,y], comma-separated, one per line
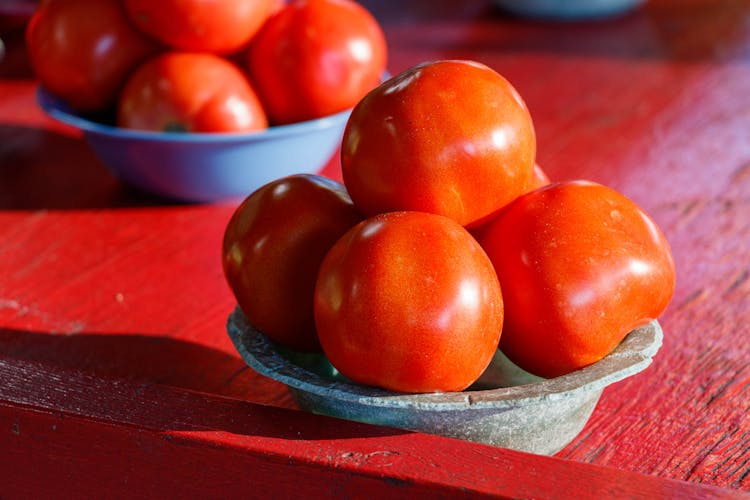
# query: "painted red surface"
[118,376]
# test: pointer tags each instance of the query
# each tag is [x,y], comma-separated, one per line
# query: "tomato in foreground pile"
[539,178]
[580,266]
[272,248]
[409,301]
[447,137]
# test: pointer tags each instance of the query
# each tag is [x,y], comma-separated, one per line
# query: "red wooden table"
[117,377]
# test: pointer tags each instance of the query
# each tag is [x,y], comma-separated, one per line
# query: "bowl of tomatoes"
[203,103]
[443,289]
[506,406]
[204,167]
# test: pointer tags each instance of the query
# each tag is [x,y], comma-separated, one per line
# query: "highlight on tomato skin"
[273,246]
[409,302]
[580,266]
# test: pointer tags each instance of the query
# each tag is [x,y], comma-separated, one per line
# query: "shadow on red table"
[105,367]
[41,169]
[147,358]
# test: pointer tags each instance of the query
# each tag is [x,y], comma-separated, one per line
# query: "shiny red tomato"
[272,248]
[82,50]
[217,26]
[447,137]
[409,301]
[316,57]
[580,266]
[190,92]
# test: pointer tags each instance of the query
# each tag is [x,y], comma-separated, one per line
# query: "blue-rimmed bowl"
[561,10]
[506,407]
[205,167]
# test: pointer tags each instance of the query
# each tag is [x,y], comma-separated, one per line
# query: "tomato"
[539,178]
[449,137]
[272,248]
[82,50]
[217,26]
[277,5]
[190,92]
[408,301]
[580,266]
[315,58]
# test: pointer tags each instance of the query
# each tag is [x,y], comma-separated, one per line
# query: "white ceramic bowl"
[506,407]
[206,167]
[568,9]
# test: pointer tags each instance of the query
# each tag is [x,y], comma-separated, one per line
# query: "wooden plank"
[89,436]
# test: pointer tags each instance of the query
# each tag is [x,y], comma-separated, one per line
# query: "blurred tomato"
[218,26]
[450,137]
[277,5]
[409,301]
[190,92]
[539,178]
[580,266]
[316,57]
[273,246]
[82,50]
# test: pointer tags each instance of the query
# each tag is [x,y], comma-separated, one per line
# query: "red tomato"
[82,50]
[273,246]
[409,301]
[539,178]
[190,92]
[277,5]
[450,137]
[217,26]
[580,266]
[316,57]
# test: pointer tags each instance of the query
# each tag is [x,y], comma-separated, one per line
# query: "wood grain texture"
[112,302]
[153,440]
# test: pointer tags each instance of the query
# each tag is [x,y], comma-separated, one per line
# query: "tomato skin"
[316,57]
[216,26]
[448,137]
[408,301]
[190,92]
[272,248]
[539,178]
[82,50]
[580,265]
